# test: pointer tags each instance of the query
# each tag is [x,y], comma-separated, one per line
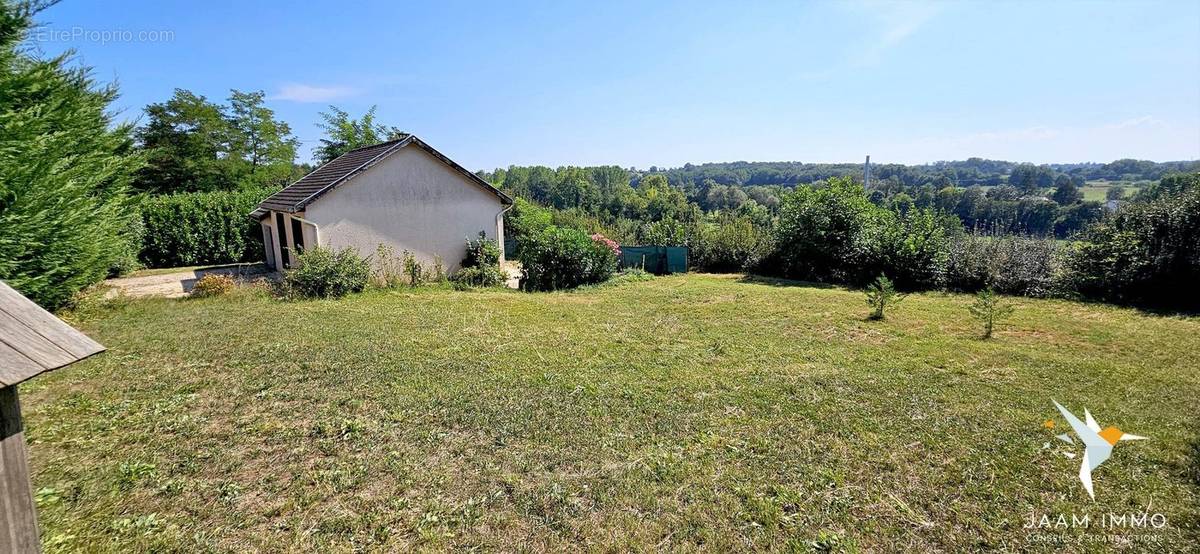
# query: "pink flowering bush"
[608,243]
[563,258]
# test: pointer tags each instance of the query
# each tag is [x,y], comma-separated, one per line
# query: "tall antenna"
[867,174]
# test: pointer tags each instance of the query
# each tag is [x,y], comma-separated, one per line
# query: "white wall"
[410,201]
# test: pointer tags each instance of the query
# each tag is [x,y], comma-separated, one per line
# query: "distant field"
[1098,190]
[684,413]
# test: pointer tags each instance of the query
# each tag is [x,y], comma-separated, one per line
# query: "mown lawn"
[685,413]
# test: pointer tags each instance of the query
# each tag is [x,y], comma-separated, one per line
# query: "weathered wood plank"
[34,346]
[16,367]
[18,516]
[45,324]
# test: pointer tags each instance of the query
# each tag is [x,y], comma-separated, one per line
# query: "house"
[402,193]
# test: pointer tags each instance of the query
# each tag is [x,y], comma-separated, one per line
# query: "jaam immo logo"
[1098,444]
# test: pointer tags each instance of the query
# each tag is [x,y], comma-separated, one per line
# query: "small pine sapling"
[881,294]
[989,309]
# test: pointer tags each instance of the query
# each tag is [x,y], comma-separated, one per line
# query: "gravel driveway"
[177,284]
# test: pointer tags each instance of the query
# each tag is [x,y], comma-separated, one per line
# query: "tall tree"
[186,140]
[193,144]
[344,133]
[64,170]
[266,146]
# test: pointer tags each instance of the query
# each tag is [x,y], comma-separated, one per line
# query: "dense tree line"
[192,144]
[1042,202]
[964,173]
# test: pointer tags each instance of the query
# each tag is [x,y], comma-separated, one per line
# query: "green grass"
[684,413]
[1098,190]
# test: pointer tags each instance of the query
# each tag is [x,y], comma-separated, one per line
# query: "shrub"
[1010,264]
[213,284]
[439,269]
[387,269]
[199,228]
[132,235]
[65,168]
[912,247]
[526,219]
[730,244]
[1149,253]
[989,309]
[481,252]
[560,258]
[607,243]
[825,233]
[322,273]
[881,294]
[413,269]
[835,234]
[664,232]
[479,276]
[480,266]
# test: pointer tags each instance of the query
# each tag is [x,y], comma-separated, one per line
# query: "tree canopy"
[192,144]
[344,133]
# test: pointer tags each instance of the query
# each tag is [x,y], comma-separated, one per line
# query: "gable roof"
[33,341]
[294,197]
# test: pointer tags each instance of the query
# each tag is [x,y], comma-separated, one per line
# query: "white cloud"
[898,21]
[1144,121]
[298,92]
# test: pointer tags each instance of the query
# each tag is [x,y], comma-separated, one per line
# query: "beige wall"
[410,201]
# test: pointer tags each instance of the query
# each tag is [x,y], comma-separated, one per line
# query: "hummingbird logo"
[1098,444]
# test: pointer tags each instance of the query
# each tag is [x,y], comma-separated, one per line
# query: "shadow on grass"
[1144,309]
[1155,310]
[1192,465]
[778,282]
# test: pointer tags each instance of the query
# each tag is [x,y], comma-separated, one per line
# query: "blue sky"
[664,83]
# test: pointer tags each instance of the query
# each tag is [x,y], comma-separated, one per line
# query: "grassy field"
[1098,190]
[685,413]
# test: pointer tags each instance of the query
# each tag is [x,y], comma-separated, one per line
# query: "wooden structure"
[32,342]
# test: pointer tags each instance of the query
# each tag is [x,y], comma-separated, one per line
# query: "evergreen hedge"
[200,228]
[64,171]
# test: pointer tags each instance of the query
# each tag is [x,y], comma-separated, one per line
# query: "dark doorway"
[297,236]
[283,249]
